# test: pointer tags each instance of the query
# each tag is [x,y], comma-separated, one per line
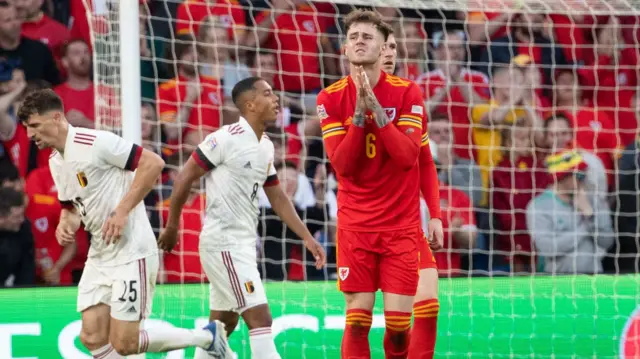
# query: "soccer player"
[236,161]
[372,126]
[93,172]
[425,305]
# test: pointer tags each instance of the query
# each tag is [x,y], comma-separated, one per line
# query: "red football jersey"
[19,150]
[377,169]
[193,12]
[182,265]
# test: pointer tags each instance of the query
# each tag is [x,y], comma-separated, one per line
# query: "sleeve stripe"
[425,142]
[341,132]
[67,205]
[202,160]
[271,181]
[410,123]
[134,158]
[417,118]
[332,130]
[330,126]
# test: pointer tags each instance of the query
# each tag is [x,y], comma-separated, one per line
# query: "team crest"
[391,113]
[249,287]
[268,167]
[595,125]
[82,179]
[343,273]
[213,97]
[42,224]
[309,26]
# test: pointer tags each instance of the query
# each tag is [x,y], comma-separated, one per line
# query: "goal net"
[533,117]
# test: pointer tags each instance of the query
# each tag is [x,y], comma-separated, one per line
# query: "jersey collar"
[243,122]
[71,132]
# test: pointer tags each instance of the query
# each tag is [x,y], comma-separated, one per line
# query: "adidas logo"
[132,310]
[248,165]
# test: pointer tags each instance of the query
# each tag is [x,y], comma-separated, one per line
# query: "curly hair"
[39,102]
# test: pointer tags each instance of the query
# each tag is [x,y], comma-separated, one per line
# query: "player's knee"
[427,285]
[125,345]
[93,340]
[360,300]
[230,324]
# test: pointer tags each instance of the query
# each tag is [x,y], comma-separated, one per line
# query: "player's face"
[265,102]
[389,55]
[364,44]
[558,134]
[44,129]
[13,220]
[78,59]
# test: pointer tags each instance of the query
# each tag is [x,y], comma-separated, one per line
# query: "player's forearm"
[68,252]
[429,184]
[69,214]
[284,208]
[179,195]
[403,149]
[345,155]
[147,174]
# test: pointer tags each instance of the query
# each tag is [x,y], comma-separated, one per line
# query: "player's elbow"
[408,159]
[152,162]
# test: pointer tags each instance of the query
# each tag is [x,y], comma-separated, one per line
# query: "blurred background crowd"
[533,121]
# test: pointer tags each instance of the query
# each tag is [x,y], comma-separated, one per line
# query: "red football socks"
[355,341]
[396,335]
[425,325]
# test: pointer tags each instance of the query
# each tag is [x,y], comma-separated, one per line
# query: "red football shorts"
[426,258]
[368,261]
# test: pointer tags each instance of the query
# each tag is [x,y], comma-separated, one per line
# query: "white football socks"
[262,345]
[106,352]
[167,339]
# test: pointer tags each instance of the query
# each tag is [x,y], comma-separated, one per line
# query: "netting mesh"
[514,90]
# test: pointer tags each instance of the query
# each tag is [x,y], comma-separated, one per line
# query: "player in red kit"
[426,306]
[372,129]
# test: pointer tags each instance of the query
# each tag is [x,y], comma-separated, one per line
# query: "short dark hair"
[285,165]
[10,199]
[38,103]
[8,172]
[439,116]
[176,49]
[558,117]
[359,16]
[67,45]
[243,86]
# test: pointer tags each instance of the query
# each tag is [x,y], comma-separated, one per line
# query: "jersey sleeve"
[412,113]
[211,152]
[429,183]
[61,186]
[272,176]
[116,151]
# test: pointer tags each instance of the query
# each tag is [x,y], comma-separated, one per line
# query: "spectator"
[559,137]
[10,177]
[624,254]
[453,170]
[452,89]
[527,36]
[593,130]
[77,92]
[506,108]
[23,152]
[34,57]
[517,179]
[38,26]
[216,56]
[152,69]
[304,195]
[182,264]
[570,228]
[296,32]
[150,132]
[458,223]
[54,264]
[279,241]
[413,49]
[17,261]
[192,14]
[189,104]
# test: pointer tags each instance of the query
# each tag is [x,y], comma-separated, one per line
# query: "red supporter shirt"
[49,32]
[43,211]
[455,106]
[378,189]
[454,204]
[192,13]
[19,150]
[296,39]
[205,113]
[79,100]
[182,265]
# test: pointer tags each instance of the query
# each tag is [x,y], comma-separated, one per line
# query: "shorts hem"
[399,292]
[82,308]
[357,290]
[429,266]
[375,230]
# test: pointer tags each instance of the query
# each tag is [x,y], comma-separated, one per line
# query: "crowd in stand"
[533,123]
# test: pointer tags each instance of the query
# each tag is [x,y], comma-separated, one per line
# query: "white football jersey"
[94,174]
[239,164]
